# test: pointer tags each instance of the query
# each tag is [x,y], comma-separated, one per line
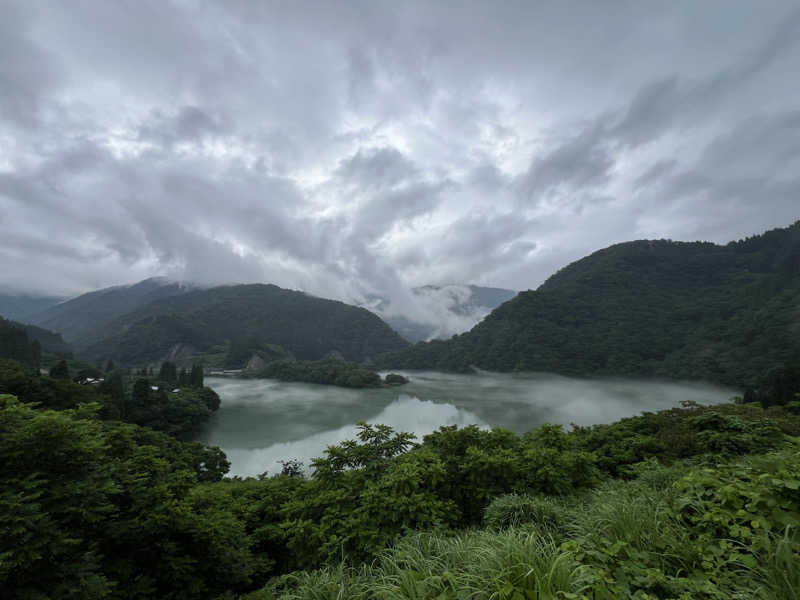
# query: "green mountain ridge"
[309,328]
[83,320]
[649,308]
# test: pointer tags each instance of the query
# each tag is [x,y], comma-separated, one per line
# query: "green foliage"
[45,391]
[89,511]
[181,414]
[328,372]
[482,465]
[96,509]
[60,370]
[730,429]
[744,501]
[777,388]
[643,539]
[363,494]
[645,308]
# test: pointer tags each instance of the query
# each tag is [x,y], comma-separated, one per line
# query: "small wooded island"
[327,372]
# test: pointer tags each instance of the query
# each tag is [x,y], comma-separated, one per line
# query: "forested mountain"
[83,320]
[18,307]
[250,316]
[645,308]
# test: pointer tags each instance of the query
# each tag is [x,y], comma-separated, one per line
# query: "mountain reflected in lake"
[261,422]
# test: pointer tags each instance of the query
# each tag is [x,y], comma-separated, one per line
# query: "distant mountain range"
[438,312]
[651,308]
[648,308]
[124,321]
[257,317]
[20,307]
[84,320]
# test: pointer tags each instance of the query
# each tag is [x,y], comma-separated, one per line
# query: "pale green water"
[262,421]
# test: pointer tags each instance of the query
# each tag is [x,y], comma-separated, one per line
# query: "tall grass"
[624,540]
[473,565]
[781,573]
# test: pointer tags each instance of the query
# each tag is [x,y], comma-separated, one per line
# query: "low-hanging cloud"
[362,150]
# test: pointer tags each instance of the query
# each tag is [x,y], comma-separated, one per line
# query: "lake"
[263,421]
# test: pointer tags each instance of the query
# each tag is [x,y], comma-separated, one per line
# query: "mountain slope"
[27,343]
[645,308]
[309,328]
[83,320]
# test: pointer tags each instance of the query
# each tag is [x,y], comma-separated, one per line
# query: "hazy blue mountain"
[83,320]
[19,307]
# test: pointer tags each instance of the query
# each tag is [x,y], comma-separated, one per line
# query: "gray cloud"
[364,147]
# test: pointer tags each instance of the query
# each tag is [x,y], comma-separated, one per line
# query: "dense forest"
[16,344]
[158,402]
[198,321]
[326,372]
[648,308]
[696,502]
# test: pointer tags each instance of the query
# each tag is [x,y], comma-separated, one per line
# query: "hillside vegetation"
[697,503]
[647,308]
[15,344]
[306,327]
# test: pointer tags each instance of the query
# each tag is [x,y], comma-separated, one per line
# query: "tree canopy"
[648,308]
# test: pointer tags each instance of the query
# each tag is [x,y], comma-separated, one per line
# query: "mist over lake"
[261,421]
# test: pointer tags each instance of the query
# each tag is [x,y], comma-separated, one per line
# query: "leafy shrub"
[725,434]
[681,433]
[89,511]
[744,501]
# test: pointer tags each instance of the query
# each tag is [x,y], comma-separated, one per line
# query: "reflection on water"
[263,421]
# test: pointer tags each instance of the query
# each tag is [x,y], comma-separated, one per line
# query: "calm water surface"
[262,421]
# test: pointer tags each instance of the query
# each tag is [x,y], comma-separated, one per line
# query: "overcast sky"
[350,147]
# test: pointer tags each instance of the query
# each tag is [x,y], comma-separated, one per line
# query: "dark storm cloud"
[366,147]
